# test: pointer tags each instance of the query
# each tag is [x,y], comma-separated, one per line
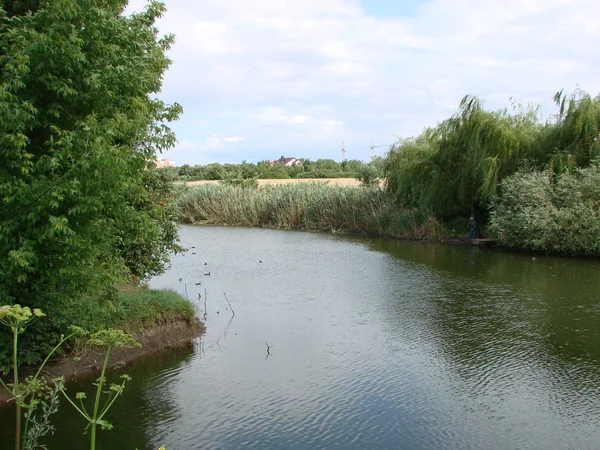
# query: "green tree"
[458,165]
[78,128]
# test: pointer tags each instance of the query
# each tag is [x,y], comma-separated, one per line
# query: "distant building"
[287,161]
[164,163]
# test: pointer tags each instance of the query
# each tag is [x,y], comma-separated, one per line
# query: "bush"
[557,213]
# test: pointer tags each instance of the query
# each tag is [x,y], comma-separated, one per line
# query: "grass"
[133,309]
[310,206]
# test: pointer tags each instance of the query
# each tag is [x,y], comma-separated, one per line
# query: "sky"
[259,79]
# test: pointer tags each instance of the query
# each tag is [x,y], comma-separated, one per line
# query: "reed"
[310,206]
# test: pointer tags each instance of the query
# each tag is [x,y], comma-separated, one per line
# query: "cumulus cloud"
[305,76]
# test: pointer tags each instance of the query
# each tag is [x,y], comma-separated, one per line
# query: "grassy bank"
[133,309]
[311,206]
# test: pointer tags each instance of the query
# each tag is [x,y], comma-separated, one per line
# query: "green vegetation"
[322,168]
[133,309]
[79,126]
[310,206]
[106,338]
[539,211]
[40,399]
[33,395]
[535,179]
[457,169]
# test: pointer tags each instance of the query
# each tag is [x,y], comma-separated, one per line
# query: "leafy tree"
[457,166]
[78,127]
[352,166]
[368,175]
[572,140]
[185,170]
[327,164]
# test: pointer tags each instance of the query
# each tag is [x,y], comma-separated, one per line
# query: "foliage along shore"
[531,183]
[80,126]
[307,206]
[157,319]
[534,215]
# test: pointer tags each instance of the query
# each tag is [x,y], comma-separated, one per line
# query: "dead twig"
[232,311]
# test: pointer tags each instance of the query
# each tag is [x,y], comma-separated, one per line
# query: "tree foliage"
[458,165]
[78,127]
[321,168]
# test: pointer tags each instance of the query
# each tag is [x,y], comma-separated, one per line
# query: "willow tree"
[458,165]
[79,124]
[572,139]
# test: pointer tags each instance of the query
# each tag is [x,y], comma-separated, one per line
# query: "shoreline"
[463,241]
[169,335]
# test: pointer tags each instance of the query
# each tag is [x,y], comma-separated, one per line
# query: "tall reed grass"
[310,206]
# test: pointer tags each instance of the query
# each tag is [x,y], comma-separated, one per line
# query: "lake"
[354,342]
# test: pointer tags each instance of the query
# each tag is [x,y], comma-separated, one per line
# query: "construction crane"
[373,147]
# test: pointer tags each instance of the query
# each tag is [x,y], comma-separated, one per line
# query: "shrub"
[557,213]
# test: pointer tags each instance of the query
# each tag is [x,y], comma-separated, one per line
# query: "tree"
[458,165]
[78,128]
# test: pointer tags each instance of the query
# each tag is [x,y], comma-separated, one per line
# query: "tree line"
[305,168]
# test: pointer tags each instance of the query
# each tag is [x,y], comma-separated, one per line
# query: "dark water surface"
[375,344]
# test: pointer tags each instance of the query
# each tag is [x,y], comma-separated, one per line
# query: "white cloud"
[215,140]
[309,75]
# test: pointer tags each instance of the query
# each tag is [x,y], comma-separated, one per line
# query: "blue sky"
[264,78]
[391,8]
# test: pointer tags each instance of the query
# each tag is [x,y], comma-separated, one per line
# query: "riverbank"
[158,319]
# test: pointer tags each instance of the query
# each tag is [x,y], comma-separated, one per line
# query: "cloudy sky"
[263,78]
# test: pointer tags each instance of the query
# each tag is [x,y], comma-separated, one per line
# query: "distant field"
[271,182]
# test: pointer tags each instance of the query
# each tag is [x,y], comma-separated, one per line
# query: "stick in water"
[232,311]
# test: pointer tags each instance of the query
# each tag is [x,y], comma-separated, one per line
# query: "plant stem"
[37,374]
[16,390]
[56,347]
[97,402]
[26,428]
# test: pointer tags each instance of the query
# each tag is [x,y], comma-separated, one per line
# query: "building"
[164,163]
[287,161]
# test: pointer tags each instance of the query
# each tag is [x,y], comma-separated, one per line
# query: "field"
[272,182]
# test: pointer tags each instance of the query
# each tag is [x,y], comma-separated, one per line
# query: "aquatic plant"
[308,206]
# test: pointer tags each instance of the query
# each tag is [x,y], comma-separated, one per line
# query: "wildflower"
[113,338]
[19,317]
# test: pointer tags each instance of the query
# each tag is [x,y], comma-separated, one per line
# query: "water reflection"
[373,344]
[140,416]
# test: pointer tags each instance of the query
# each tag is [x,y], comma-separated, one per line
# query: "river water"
[372,343]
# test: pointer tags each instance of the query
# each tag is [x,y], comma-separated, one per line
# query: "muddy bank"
[170,335]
